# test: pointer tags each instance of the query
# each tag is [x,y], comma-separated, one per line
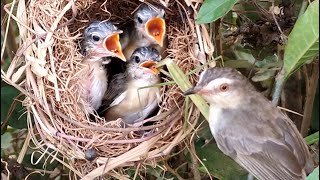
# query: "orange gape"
[156,28]
[150,65]
[113,45]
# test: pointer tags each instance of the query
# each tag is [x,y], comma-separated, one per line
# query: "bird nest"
[47,69]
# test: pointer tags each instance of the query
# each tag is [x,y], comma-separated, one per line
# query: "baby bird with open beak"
[148,29]
[126,97]
[250,129]
[101,40]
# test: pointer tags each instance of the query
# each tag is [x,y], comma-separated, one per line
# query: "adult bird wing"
[296,142]
[272,152]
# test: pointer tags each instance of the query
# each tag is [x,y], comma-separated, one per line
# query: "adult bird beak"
[150,64]
[112,44]
[156,29]
[193,90]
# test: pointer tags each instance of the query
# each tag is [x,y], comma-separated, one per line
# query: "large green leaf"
[218,164]
[303,41]
[314,175]
[6,139]
[212,10]
[312,138]
[17,119]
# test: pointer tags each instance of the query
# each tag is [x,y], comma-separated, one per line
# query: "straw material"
[47,69]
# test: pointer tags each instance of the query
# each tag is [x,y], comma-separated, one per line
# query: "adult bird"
[126,97]
[148,29]
[101,40]
[250,129]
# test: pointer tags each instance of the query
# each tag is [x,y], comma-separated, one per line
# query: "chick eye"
[136,59]
[95,38]
[139,20]
[224,87]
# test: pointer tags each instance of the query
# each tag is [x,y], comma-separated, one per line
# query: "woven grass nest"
[47,67]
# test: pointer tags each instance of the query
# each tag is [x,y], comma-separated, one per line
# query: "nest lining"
[52,88]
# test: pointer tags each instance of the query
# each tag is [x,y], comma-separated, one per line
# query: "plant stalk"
[311,89]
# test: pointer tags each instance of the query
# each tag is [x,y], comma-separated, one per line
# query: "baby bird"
[101,39]
[148,29]
[127,97]
[250,129]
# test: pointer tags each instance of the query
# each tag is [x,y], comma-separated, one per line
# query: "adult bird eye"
[136,59]
[95,38]
[224,87]
[139,20]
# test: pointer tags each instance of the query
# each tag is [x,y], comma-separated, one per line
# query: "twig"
[24,149]
[282,35]
[181,165]
[217,41]
[137,172]
[290,111]
[311,88]
[275,19]
[172,171]
[194,160]
[11,46]
[7,30]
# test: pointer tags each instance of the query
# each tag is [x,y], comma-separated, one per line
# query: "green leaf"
[244,54]
[267,68]
[184,84]
[263,75]
[269,62]
[303,41]
[155,171]
[237,64]
[17,119]
[6,139]
[312,138]
[8,94]
[314,175]
[218,164]
[212,10]
[6,64]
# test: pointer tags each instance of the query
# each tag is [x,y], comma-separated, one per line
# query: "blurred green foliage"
[17,119]
[218,164]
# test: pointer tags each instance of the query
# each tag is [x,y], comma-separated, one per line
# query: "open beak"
[156,29]
[193,90]
[113,46]
[150,65]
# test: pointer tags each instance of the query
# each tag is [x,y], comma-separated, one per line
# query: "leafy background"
[276,45]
